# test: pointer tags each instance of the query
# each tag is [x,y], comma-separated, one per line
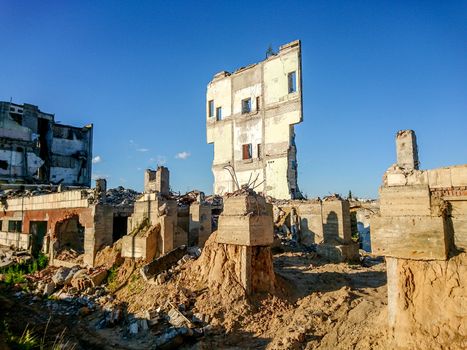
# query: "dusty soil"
[315,305]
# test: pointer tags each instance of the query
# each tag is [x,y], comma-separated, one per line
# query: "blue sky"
[138,70]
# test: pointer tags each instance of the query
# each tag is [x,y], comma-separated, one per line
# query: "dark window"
[1,225]
[246,151]
[292,77]
[3,164]
[17,118]
[257,103]
[246,105]
[211,108]
[14,225]
[219,113]
[259,150]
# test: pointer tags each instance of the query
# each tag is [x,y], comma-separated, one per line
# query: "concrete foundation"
[246,232]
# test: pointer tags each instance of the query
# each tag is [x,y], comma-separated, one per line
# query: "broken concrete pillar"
[422,232]
[162,181]
[157,181]
[101,185]
[407,151]
[336,221]
[101,189]
[337,242]
[200,223]
[246,228]
[149,180]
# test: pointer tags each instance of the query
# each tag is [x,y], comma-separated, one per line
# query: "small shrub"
[14,275]
[27,341]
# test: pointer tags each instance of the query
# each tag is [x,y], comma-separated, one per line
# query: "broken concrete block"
[61,275]
[98,277]
[177,319]
[405,201]
[246,230]
[409,237]
[49,288]
[338,253]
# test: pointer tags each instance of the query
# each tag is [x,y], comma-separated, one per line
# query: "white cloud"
[142,149]
[96,159]
[182,155]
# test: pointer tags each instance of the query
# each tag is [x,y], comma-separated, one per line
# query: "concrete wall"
[200,223]
[268,127]
[154,209]
[15,239]
[141,246]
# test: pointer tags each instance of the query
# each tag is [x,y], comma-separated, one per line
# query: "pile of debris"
[66,282]
[70,255]
[9,257]
[121,196]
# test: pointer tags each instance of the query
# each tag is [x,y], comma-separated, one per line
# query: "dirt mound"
[221,267]
[429,310]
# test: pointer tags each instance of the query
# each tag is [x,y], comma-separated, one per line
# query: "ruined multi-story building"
[36,149]
[250,119]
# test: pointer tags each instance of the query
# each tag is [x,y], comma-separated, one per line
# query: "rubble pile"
[121,196]
[69,254]
[9,257]
[26,192]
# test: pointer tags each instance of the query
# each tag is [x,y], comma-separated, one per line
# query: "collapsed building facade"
[250,119]
[422,232]
[36,149]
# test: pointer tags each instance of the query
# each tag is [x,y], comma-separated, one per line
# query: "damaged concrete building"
[422,232]
[36,149]
[250,119]
[80,221]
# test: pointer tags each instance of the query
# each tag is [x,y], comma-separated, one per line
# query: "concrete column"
[407,151]
[162,180]
[245,265]
[101,189]
[149,180]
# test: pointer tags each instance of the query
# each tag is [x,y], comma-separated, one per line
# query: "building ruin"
[36,149]
[422,232]
[320,223]
[162,222]
[250,119]
[78,220]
